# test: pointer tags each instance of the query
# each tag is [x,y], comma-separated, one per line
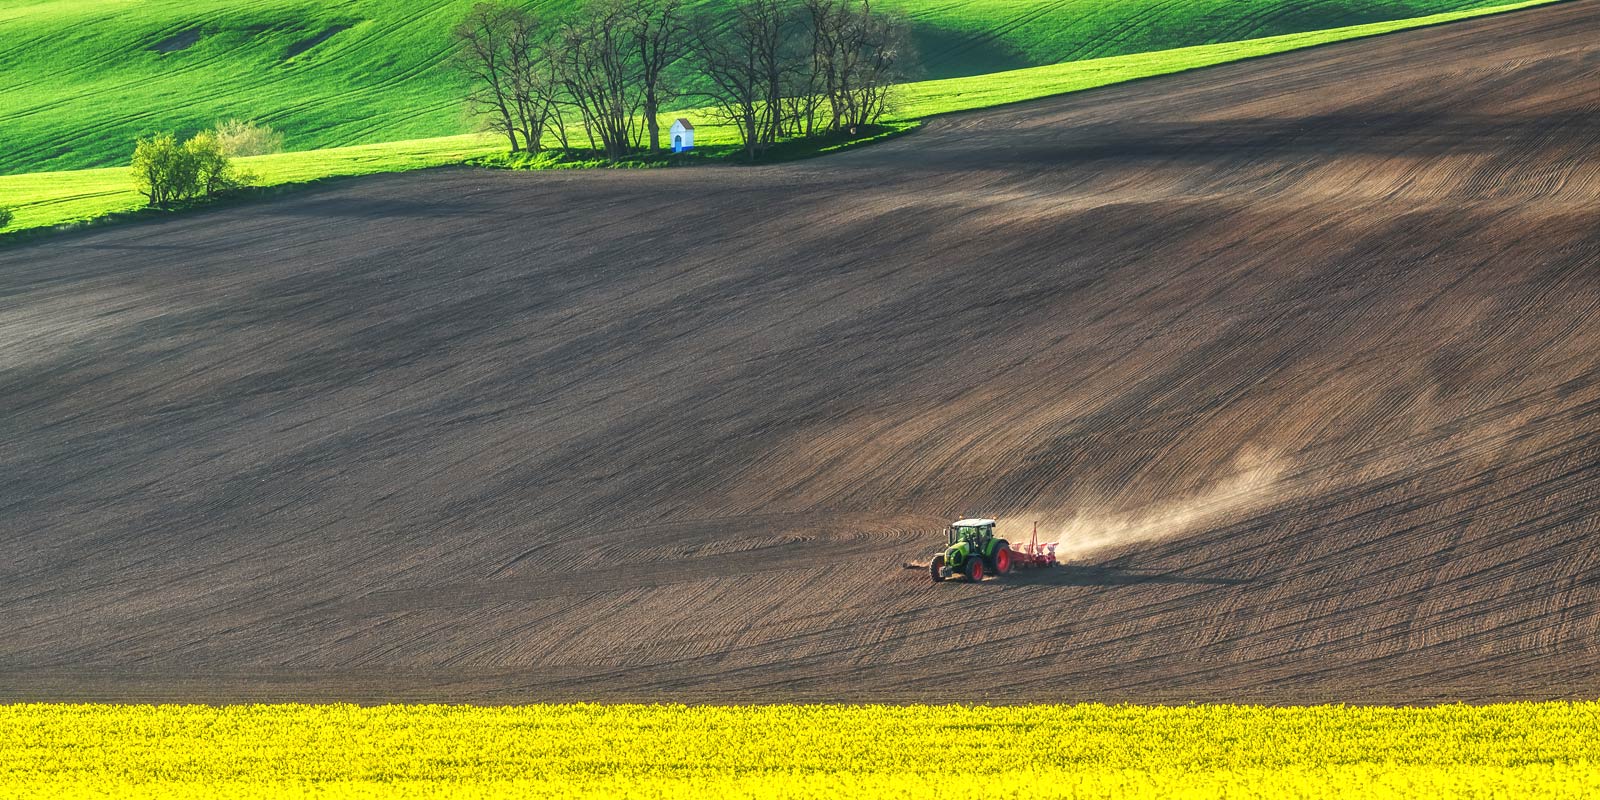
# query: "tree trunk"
[652,124]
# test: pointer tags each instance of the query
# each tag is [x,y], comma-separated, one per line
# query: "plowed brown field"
[1301,356]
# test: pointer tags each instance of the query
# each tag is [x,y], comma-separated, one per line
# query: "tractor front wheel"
[937,569]
[974,568]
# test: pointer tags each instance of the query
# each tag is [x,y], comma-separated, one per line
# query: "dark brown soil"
[1299,355]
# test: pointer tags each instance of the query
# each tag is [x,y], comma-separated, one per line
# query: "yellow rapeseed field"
[583,751]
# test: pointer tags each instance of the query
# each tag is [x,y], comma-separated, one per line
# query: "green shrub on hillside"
[167,172]
[242,138]
[5,217]
[159,169]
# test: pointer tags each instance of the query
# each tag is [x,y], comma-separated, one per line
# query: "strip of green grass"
[52,199]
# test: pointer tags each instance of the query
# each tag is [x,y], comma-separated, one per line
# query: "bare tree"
[506,54]
[601,75]
[536,91]
[803,94]
[745,64]
[884,56]
[483,55]
[823,19]
[660,32]
[858,55]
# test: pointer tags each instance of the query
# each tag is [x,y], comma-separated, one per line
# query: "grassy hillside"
[79,79]
[46,199]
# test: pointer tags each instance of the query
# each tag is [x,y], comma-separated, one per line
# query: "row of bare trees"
[773,68]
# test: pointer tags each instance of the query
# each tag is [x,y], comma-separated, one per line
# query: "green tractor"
[972,550]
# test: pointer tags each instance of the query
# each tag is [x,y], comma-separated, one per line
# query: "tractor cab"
[975,531]
[971,551]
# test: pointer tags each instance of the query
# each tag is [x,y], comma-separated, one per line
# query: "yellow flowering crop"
[584,751]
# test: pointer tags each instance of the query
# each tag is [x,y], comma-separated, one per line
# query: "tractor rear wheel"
[974,568]
[937,569]
[1002,559]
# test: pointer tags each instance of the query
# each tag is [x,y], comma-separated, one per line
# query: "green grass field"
[80,79]
[49,199]
[822,751]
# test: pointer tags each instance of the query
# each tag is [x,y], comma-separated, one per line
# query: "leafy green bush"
[158,168]
[167,172]
[5,217]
